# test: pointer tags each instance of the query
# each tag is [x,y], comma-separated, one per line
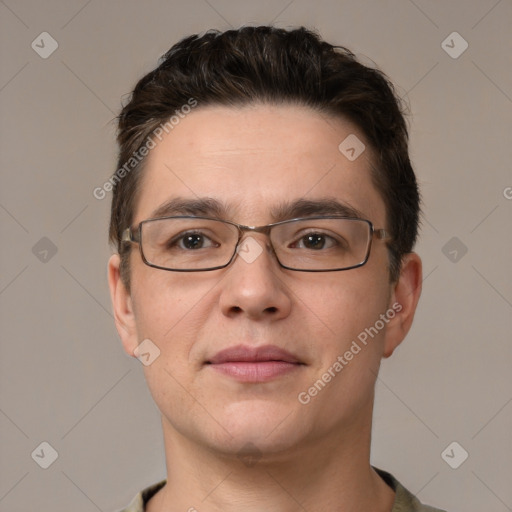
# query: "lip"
[246,354]
[254,364]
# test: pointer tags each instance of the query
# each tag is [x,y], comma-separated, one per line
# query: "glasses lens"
[304,244]
[188,243]
[322,244]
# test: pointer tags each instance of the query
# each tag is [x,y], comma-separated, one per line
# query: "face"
[252,160]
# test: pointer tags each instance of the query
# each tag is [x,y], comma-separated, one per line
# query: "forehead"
[255,160]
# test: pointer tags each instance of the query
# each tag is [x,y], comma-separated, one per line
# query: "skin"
[315,455]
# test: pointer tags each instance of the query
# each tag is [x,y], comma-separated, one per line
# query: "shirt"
[405,501]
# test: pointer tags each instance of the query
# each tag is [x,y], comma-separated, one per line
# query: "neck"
[331,473]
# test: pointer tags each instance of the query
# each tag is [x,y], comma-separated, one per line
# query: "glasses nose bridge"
[254,229]
[242,229]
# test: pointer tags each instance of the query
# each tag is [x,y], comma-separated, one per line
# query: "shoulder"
[405,501]
[138,504]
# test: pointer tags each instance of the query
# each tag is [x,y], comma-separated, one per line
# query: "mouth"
[254,364]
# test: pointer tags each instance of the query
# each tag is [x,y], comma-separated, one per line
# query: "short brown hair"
[274,66]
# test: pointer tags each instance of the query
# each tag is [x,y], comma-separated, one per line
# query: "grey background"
[64,376]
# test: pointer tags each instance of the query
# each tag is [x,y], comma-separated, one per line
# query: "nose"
[253,285]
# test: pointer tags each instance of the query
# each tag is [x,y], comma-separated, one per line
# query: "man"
[264,213]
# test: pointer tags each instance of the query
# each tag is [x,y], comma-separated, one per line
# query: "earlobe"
[404,299]
[122,306]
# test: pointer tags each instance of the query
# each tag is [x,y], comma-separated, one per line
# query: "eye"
[315,241]
[191,241]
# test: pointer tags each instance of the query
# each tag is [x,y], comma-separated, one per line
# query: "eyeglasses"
[311,244]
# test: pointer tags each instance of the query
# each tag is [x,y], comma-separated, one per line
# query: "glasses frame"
[134,235]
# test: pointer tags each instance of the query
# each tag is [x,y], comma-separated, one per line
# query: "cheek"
[346,310]
[171,315]
[174,311]
[164,301]
[348,304]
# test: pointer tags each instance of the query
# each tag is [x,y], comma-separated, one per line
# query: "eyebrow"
[209,207]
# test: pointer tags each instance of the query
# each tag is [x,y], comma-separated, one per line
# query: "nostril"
[271,309]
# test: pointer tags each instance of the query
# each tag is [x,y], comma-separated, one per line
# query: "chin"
[250,448]
[268,427]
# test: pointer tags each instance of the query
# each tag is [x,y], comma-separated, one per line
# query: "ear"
[122,305]
[404,299]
